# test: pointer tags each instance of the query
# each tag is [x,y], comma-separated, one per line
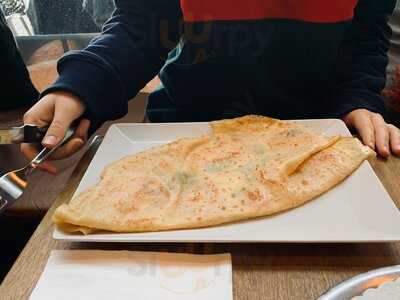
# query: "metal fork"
[13,184]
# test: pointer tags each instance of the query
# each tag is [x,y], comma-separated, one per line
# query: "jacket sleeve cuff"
[94,86]
[343,104]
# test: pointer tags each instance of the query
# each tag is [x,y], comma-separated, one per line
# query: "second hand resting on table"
[59,109]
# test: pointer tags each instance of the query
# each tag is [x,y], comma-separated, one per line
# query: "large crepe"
[247,167]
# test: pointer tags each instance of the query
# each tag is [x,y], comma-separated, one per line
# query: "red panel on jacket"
[319,11]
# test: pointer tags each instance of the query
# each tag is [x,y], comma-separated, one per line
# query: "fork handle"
[46,152]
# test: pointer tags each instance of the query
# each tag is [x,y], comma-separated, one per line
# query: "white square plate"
[357,210]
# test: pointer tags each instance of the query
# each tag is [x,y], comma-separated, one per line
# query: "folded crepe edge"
[72,226]
[69,227]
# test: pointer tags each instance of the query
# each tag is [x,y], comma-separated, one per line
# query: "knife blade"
[24,134]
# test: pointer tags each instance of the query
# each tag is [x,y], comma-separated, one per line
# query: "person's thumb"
[58,127]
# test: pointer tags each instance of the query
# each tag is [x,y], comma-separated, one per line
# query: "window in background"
[46,29]
[42,17]
[99,10]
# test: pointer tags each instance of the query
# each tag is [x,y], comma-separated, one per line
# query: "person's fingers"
[73,146]
[365,128]
[57,128]
[82,129]
[56,110]
[40,114]
[394,134]
[31,151]
[67,108]
[48,167]
[55,133]
[381,135]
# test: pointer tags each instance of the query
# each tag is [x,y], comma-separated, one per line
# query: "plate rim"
[336,293]
[58,235]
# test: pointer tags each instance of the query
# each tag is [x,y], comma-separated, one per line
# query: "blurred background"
[56,17]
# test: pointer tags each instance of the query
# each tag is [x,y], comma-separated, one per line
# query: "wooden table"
[260,271]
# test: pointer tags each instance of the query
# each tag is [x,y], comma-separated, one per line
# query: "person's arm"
[119,62]
[99,80]
[360,76]
[361,65]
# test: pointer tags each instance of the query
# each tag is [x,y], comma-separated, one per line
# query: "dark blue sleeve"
[360,73]
[118,63]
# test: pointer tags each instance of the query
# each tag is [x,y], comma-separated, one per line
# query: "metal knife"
[24,134]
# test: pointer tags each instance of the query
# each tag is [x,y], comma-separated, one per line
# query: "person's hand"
[57,110]
[374,131]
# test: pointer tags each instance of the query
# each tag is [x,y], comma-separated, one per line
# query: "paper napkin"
[126,275]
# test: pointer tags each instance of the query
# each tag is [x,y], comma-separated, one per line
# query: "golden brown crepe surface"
[247,167]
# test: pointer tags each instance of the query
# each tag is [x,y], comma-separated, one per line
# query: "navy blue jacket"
[219,58]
